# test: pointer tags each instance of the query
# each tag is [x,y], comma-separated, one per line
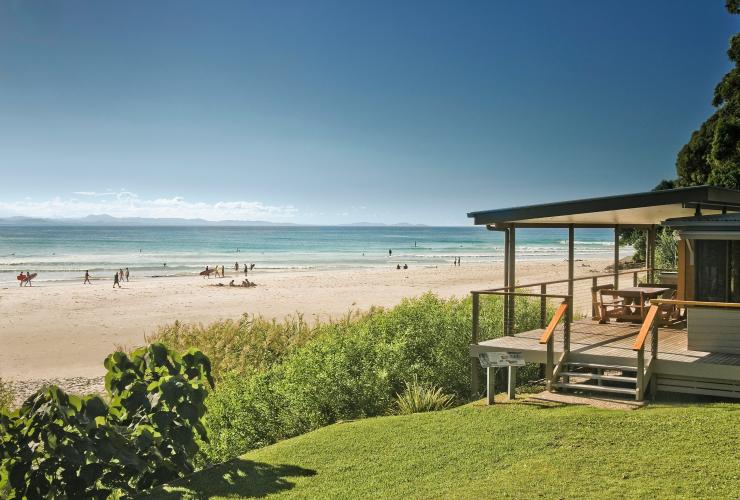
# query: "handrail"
[645,328]
[580,278]
[554,322]
[697,303]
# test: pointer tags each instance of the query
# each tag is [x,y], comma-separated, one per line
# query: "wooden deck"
[612,344]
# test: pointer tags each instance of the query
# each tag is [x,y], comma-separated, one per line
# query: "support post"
[550,362]
[616,257]
[594,298]
[651,255]
[639,393]
[512,382]
[571,269]
[490,385]
[512,279]
[506,280]
[474,382]
[634,278]
[543,306]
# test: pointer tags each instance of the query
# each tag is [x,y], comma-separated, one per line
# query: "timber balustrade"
[645,372]
[509,319]
[548,337]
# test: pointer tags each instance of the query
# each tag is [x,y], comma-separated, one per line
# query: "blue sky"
[334,112]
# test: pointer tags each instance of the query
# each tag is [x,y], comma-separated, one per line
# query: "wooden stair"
[592,377]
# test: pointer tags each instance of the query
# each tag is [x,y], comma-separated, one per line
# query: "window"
[717,265]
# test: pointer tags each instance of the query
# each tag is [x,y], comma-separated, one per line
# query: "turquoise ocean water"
[65,252]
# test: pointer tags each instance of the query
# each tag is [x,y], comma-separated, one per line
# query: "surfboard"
[206,273]
[23,277]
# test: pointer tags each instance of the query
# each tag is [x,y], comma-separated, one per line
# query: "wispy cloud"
[126,204]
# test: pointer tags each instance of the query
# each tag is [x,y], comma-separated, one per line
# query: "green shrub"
[248,345]
[353,369]
[58,445]
[418,398]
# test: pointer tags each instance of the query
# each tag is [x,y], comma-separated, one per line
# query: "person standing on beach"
[127,275]
[390,252]
[87,278]
[115,281]
[251,267]
[236,266]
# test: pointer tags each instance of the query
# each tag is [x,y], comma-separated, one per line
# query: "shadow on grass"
[239,478]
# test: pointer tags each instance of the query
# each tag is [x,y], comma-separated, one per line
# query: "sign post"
[497,359]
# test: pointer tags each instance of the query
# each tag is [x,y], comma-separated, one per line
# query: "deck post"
[594,298]
[474,382]
[651,255]
[616,257]
[634,278]
[639,392]
[571,271]
[506,280]
[512,279]
[490,385]
[550,362]
[543,306]
[512,382]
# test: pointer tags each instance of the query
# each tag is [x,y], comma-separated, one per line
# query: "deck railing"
[645,372]
[509,324]
[580,295]
[548,337]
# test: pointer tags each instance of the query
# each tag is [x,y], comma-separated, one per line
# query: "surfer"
[115,281]
[251,266]
[87,278]
[21,279]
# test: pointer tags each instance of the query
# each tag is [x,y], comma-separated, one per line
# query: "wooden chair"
[622,306]
[595,300]
[669,313]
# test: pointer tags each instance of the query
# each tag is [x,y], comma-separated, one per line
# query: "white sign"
[500,359]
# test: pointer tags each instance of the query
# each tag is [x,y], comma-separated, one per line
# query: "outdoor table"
[648,292]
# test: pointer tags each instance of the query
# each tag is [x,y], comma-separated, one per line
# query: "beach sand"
[61,332]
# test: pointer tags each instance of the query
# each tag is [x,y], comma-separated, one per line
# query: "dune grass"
[509,450]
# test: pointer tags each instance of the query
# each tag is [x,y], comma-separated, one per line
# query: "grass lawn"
[509,450]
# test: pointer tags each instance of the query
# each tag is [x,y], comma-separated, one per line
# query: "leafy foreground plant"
[59,445]
[419,398]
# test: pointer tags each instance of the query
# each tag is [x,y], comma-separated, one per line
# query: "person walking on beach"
[115,281]
[251,267]
[87,278]
[126,274]
[21,279]
[120,275]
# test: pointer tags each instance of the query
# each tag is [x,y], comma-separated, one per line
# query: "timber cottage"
[630,331]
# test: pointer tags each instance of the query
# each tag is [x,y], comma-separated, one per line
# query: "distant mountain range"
[109,220]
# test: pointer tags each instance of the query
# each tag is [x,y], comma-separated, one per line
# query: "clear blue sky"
[332,112]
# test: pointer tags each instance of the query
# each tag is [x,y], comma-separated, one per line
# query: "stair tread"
[595,376]
[597,365]
[597,388]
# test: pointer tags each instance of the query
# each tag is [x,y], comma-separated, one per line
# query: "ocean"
[64,252]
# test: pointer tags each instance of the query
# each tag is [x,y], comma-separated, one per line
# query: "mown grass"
[509,450]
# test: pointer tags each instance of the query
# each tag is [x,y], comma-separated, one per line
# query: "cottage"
[629,331]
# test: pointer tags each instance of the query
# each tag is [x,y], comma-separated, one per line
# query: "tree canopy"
[712,155]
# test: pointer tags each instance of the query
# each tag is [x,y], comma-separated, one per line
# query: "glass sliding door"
[712,270]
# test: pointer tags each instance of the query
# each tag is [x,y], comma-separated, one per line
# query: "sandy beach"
[63,331]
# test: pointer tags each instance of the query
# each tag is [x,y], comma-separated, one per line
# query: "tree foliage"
[712,155]
[62,446]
